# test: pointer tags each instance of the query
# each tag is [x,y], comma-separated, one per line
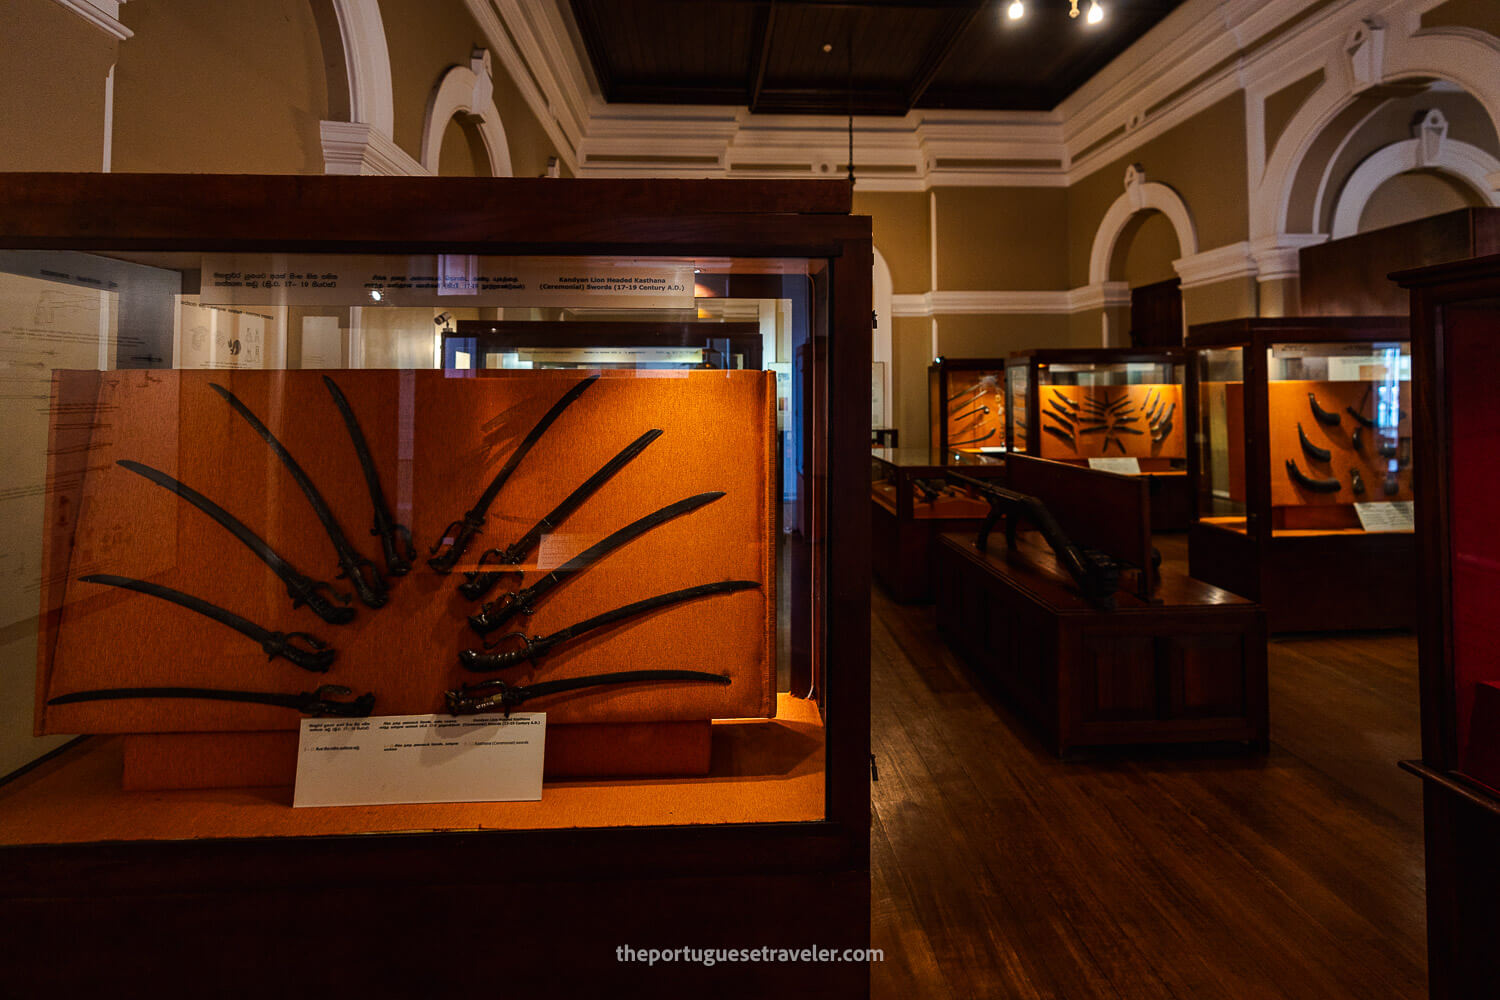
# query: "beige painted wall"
[1416,195]
[997,336]
[1001,239]
[1222,300]
[233,86]
[1145,251]
[53,65]
[1203,160]
[462,153]
[911,351]
[1281,106]
[900,222]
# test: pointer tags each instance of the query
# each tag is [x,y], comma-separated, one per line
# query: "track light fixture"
[1015,10]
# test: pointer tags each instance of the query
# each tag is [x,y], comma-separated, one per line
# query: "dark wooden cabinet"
[1455,316]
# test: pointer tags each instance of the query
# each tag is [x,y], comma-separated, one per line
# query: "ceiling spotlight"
[827,46]
[1016,10]
[1096,13]
[1074,11]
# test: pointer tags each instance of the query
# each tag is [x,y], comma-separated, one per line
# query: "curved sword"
[507,696]
[395,539]
[318,702]
[498,611]
[301,589]
[468,526]
[314,656]
[351,563]
[479,581]
[536,646]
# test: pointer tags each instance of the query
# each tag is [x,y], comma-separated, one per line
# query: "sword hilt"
[479,663]
[311,592]
[321,702]
[394,538]
[365,578]
[305,650]
[499,611]
[480,581]
[450,546]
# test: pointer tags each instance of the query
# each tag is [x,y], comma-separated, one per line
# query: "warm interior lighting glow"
[1016,10]
[1096,13]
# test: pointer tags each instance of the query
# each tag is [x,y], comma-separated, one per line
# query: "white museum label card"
[1395,516]
[1124,466]
[420,758]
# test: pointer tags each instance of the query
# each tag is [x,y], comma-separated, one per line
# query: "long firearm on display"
[534,647]
[449,548]
[395,539]
[481,580]
[500,610]
[301,589]
[319,702]
[359,571]
[490,695]
[983,411]
[300,648]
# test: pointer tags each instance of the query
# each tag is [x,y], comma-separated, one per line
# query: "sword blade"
[473,520]
[301,589]
[484,662]
[395,539]
[506,696]
[275,644]
[480,581]
[492,616]
[371,591]
[319,702]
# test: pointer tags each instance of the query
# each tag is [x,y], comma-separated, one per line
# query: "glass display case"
[1455,319]
[966,406]
[1304,468]
[1123,410]
[911,504]
[243,430]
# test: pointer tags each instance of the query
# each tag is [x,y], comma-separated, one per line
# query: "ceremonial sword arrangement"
[967,412]
[313,654]
[1109,418]
[1396,455]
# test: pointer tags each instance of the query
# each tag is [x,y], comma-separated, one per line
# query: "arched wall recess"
[883,345]
[467,91]
[1392,51]
[1140,195]
[368,62]
[1468,163]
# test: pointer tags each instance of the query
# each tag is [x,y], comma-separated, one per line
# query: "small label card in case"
[1395,516]
[420,758]
[1124,466]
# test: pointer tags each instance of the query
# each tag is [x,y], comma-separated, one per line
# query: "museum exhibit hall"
[830,498]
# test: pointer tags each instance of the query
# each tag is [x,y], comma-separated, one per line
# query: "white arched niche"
[882,344]
[466,91]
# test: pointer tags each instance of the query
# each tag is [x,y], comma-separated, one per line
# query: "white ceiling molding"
[1468,163]
[1013,303]
[368,63]
[1226,263]
[1100,295]
[1276,257]
[102,14]
[358,148]
[1140,195]
[456,94]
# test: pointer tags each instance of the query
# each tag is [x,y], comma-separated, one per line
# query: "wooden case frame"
[1305,582]
[302,914]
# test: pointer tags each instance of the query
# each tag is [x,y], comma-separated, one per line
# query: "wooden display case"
[910,505]
[966,406]
[1455,317]
[1052,396]
[1302,469]
[176,888]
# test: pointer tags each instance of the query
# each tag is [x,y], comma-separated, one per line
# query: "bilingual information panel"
[391,759]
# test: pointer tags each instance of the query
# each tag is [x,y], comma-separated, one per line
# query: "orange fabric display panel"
[1113,421]
[1291,404]
[975,411]
[437,439]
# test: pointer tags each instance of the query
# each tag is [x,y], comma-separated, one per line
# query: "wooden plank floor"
[1001,871]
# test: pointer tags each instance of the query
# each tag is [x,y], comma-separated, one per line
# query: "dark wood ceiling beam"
[765,26]
[588,28]
[942,47]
